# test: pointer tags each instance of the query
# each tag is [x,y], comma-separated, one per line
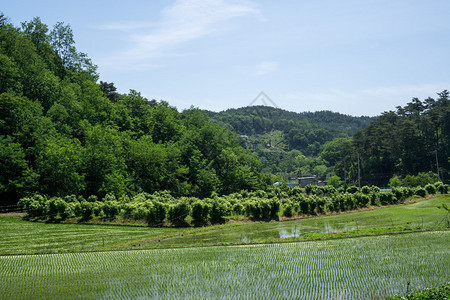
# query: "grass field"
[19,236]
[423,214]
[360,268]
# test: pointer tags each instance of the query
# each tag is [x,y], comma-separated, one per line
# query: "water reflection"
[289,233]
[318,228]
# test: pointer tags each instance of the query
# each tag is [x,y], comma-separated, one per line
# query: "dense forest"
[414,138]
[288,142]
[63,133]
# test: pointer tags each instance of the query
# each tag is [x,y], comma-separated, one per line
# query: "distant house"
[322,181]
[304,181]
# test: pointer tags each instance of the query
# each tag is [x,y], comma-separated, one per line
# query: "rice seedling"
[358,268]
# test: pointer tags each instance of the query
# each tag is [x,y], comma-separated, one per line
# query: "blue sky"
[354,57]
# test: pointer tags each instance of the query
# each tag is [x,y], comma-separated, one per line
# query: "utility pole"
[359,174]
[345,174]
[437,163]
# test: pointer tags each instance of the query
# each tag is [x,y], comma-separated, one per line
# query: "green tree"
[335,181]
[60,165]
[104,162]
[17,179]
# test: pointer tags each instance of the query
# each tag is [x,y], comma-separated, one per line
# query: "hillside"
[260,119]
[288,142]
[62,132]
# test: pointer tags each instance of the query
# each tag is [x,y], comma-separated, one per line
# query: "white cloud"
[181,22]
[266,67]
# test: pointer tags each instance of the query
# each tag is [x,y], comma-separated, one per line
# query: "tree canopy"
[63,133]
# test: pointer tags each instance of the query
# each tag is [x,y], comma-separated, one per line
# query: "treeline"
[62,133]
[288,142]
[162,208]
[307,131]
[413,139]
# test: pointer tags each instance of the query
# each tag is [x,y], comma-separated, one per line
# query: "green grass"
[20,236]
[361,268]
[423,214]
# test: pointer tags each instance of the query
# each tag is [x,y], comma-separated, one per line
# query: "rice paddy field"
[357,268]
[68,261]
[20,236]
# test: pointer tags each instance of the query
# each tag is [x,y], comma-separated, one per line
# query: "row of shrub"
[431,188]
[159,208]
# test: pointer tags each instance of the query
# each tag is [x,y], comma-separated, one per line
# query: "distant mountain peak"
[264,99]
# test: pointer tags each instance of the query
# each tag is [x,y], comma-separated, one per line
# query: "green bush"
[140,212]
[274,208]
[109,197]
[127,209]
[217,211]
[237,208]
[304,205]
[70,199]
[35,206]
[97,208]
[399,193]
[375,189]
[349,201]
[387,198]
[366,190]
[443,188]
[320,205]
[199,212]
[420,192]
[56,206]
[339,202]
[295,191]
[265,208]
[352,189]
[177,213]
[288,209]
[160,211]
[309,189]
[362,200]
[253,209]
[37,209]
[111,208]
[24,204]
[431,189]
[84,209]
[92,198]
[421,179]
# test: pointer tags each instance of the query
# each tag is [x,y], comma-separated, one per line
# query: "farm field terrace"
[20,236]
[357,268]
[423,214]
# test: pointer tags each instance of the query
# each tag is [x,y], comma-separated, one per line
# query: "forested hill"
[262,119]
[62,132]
[307,131]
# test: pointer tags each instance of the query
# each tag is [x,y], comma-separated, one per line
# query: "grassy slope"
[20,236]
[423,214]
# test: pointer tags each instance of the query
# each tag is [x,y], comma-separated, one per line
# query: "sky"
[349,56]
